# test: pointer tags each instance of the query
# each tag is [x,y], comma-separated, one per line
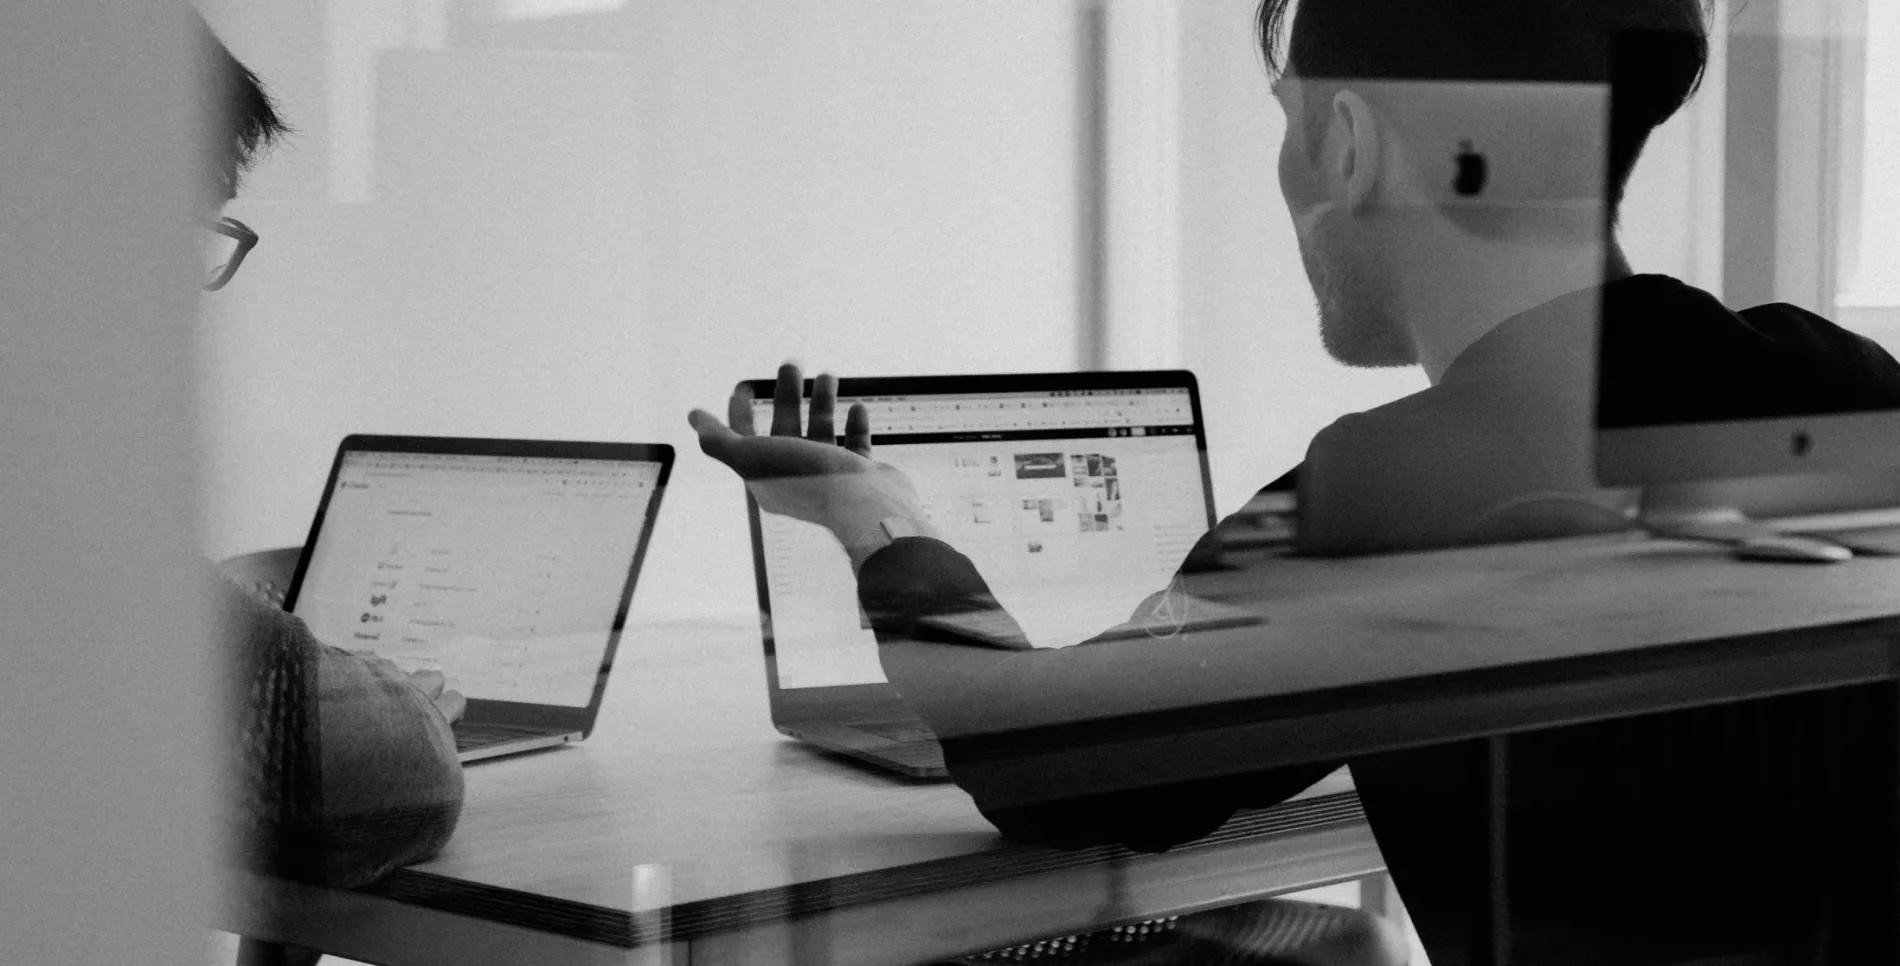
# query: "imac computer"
[1798,421]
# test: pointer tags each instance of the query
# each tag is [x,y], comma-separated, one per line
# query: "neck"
[1475,287]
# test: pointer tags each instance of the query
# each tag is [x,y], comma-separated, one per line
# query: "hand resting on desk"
[432,684]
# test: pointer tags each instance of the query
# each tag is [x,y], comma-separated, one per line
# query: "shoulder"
[1792,324]
[1673,353]
[251,631]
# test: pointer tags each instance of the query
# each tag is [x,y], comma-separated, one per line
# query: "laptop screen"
[1074,504]
[505,573]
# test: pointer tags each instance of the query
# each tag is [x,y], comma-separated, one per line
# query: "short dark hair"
[1653,52]
[244,118]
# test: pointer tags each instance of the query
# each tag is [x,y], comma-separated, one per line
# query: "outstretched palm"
[804,471]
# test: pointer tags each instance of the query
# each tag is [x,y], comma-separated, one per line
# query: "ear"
[1359,158]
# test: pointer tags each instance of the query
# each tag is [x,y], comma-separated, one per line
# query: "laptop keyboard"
[469,737]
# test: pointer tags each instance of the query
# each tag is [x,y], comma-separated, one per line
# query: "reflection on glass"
[1018,584]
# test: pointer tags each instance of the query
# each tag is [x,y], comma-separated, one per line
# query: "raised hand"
[805,471]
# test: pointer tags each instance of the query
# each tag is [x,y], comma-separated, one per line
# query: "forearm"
[973,694]
[392,786]
[342,770]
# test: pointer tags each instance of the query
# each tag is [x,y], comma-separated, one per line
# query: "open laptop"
[507,565]
[1077,495]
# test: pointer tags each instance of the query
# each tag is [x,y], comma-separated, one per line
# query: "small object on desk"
[1791,548]
[1863,541]
[1749,539]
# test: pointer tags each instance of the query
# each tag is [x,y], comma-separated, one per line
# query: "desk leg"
[1439,812]
[1862,923]
[1495,929]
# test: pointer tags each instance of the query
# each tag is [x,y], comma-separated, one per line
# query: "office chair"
[265,573]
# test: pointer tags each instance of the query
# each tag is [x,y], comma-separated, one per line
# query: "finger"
[824,402]
[857,430]
[430,682]
[453,705]
[739,409]
[786,397]
[715,440]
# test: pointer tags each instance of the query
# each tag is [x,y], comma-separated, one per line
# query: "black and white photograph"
[951,482]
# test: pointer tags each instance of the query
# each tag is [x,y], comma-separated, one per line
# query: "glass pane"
[534,220]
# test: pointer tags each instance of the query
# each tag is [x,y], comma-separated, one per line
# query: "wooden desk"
[739,828]
[752,848]
[1454,644]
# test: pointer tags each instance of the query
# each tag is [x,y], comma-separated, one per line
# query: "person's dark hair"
[244,118]
[1654,52]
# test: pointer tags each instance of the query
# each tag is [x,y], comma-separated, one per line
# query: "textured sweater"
[341,770]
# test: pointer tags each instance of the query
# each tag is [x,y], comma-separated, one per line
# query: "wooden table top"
[1354,622]
[1361,655]
[686,798]
[686,771]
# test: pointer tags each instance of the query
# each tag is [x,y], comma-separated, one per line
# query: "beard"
[1354,324]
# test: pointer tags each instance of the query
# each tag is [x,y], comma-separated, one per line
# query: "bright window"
[1869,299]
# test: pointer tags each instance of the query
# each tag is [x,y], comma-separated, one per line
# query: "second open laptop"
[507,565]
[1076,494]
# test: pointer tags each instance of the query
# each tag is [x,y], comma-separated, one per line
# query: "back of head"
[1653,51]
[243,120]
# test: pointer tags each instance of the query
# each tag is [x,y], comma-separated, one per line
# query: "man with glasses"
[228,241]
[344,767]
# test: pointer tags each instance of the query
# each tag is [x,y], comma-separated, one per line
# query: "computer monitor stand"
[1691,511]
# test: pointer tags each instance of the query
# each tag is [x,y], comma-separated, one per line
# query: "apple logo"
[1472,171]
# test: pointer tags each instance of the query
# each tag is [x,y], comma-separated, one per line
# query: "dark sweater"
[1511,417]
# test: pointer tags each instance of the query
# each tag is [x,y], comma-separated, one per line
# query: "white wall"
[1673,209]
[1251,331]
[1877,279]
[104,738]
[583,227]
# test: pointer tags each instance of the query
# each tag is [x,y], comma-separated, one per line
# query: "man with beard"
[1500,311]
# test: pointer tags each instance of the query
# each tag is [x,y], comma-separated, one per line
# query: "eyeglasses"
[227,241]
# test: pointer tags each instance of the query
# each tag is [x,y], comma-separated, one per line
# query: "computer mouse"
[1784,549]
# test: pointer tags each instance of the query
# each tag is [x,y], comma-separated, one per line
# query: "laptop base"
[515,746]
[920,760]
